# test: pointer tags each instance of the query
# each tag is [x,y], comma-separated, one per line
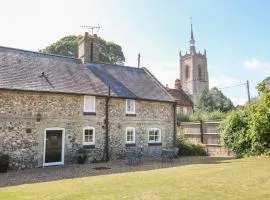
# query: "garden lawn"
[247,178]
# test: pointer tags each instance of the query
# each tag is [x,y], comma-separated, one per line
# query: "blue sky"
[236,34]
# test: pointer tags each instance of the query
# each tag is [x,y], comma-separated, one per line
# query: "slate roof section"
[22,70]
[130,82]
[181,97]
[34,71]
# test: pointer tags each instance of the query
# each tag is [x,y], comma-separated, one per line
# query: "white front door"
[54,142]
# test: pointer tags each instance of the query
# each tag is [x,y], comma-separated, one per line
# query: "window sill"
[130,115]
[88,146]
[154,144]
[89,113]
[130,144]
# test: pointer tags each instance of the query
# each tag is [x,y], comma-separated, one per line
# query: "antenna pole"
[139,60]
[248,92]
[91,27]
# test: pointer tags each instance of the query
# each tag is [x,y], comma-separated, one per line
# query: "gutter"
[174,123]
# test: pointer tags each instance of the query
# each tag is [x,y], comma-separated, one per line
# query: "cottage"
[50,106]
[183,101]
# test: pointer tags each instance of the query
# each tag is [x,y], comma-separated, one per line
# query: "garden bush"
[187,148]
[247,131]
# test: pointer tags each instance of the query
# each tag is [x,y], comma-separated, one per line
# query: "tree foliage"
[247,131]
[109,52]
[214,100]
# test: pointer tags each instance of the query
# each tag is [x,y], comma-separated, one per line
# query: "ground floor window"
[154,135]
[130,135]
[88,135]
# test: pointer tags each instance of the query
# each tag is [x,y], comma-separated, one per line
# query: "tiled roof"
[33,71]
[181,97]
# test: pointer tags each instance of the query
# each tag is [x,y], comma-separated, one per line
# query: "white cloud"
[222,81]
[255,64]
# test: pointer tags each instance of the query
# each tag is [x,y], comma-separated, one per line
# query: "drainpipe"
[174,123]
[201,130]
[107,125]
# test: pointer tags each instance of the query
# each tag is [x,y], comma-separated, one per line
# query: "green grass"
[247,178]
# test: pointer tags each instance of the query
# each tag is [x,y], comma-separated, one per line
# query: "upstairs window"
[154,135]
[89,104]
[130,106]
[130,135]
[89,136]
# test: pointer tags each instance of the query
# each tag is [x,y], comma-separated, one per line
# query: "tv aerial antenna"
[91,27]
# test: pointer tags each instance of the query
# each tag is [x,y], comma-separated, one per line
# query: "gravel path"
[75,170]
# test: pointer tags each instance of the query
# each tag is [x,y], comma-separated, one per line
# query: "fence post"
[201,129]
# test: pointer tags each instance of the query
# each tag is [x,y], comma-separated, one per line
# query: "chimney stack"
[88,48]
[177,84]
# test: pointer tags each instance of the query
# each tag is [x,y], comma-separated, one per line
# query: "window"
[154,135]
[130,135]
[187,72]
[199,72]
[89,136]
[89,104]
[185,111]
[130,106]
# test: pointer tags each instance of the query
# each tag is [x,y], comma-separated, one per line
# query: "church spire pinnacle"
[192,41]
[192,37]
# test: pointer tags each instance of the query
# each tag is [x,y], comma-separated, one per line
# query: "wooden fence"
[206,133]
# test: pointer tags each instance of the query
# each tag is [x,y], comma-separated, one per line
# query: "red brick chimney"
[177,84]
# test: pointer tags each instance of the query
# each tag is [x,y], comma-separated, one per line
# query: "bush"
[4,159]
[247,131]
[189,149]
[202,115]
[81,155]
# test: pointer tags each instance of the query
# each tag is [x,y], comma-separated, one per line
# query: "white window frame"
[63,146]
[89,128]
[87,98]
[128,111]
[134,135]
[153,141]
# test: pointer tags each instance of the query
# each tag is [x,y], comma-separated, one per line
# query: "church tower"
[193,71]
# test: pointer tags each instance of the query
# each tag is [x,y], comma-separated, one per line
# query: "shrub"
[202,115]
[4,159]
[189,149]
[247,131]
[81,155]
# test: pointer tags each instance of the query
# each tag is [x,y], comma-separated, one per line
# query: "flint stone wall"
[22,134]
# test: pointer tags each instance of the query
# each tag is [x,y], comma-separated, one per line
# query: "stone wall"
[22,133]
[207,134]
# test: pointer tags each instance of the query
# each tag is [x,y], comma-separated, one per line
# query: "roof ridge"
[116,65]
[158,82]
[40,53]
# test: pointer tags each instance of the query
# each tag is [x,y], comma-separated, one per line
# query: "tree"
[214,100]
[109,52]
[247,131]
[266,80]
